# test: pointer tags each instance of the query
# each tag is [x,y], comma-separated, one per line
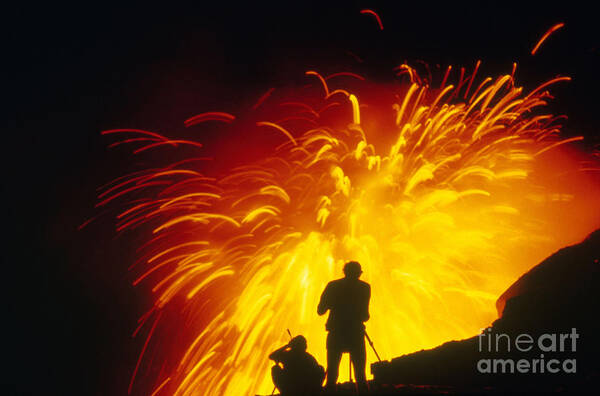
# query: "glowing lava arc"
[439,200]
[545,36]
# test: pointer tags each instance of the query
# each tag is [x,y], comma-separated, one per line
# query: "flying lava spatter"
[444,193]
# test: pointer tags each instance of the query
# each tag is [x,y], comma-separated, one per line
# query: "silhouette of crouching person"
[301,374]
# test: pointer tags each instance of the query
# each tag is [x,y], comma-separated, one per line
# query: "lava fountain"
[444,193]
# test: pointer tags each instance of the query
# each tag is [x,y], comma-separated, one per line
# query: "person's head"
[352,270]
[298,343]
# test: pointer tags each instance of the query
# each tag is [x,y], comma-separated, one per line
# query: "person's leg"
[277,376]
[282,380]
[334,355]
[358,355]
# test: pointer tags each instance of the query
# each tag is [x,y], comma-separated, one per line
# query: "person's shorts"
[346,341]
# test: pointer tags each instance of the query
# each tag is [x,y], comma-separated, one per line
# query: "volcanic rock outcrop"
[558,295]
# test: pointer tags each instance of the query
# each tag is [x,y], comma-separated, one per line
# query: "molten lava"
[444,194]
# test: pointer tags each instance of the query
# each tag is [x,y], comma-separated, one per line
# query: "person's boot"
[362,388]
[329,390]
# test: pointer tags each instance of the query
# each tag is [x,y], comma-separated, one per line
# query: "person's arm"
[365,308]
[324,302]
[278,355]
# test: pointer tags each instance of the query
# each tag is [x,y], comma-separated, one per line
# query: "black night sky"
[73,70]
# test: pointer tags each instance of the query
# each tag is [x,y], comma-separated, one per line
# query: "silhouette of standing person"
[347,300]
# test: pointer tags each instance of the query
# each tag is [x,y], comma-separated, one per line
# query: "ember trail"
[439,190]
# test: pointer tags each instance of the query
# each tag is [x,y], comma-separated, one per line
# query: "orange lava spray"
[444,195]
